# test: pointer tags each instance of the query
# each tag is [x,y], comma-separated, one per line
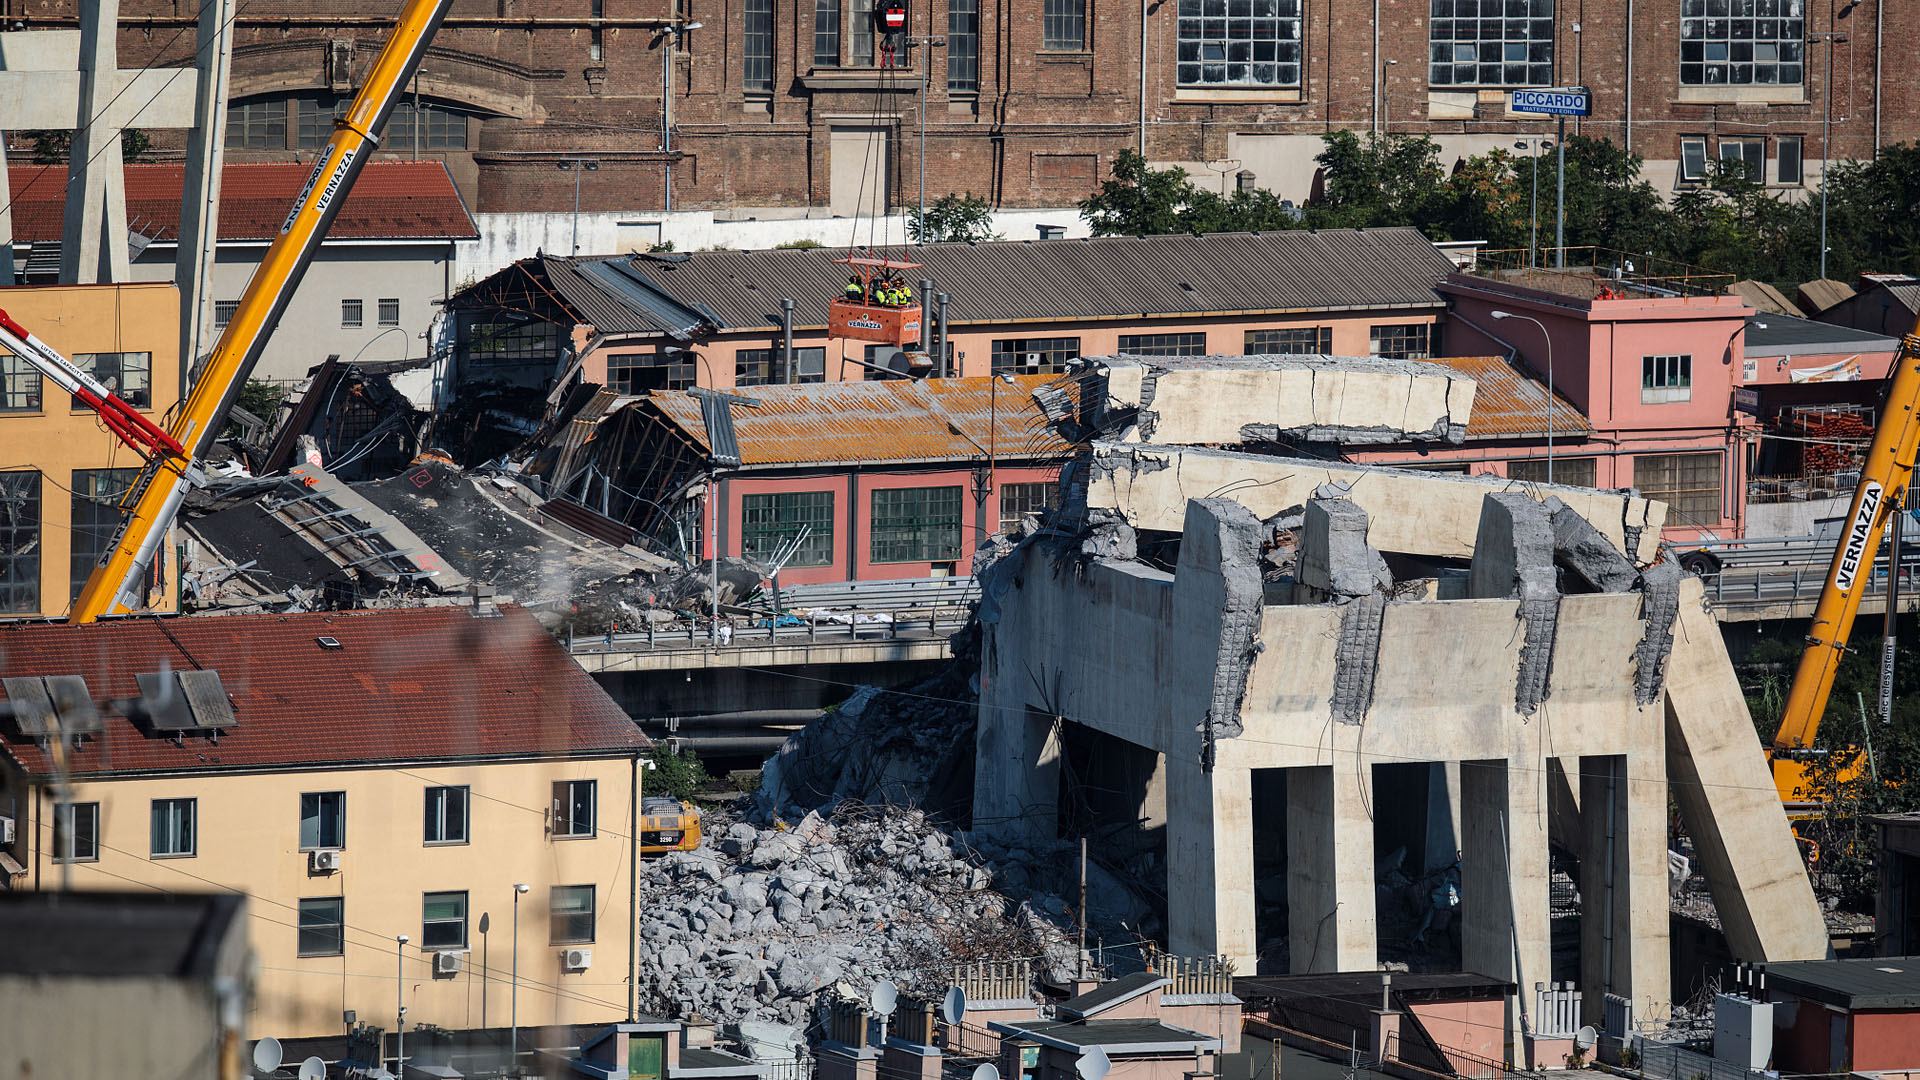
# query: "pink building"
[876,480]
[1652,375]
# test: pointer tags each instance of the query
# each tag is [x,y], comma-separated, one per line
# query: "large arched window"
[304,121]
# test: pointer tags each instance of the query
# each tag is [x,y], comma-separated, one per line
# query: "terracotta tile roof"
[1509,403]
[1111,276]
[391,200]
[418,684]
[892,421]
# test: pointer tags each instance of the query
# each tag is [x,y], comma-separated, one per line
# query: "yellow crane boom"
[1885,477]
[118,579]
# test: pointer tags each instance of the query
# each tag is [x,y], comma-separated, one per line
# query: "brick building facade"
[777,103]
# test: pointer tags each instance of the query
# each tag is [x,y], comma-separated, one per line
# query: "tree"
[1144,201]
[55,147]
[676,775]
[1871,225]
[952,219]
[1381,181]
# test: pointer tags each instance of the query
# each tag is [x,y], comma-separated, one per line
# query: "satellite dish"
[952,1008]
[485,922]
[986,1072]
[1093,1065]
[266,1055]
[883,997]
[313,1069]
[1584,1039]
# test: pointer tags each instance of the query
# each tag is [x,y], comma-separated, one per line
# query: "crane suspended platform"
[888,324]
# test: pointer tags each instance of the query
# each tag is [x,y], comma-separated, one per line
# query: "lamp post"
[400,1003]
[513,999]
[576,166]
[1533,202]
[669,37]
[1548,338]
[486,973]
[1831,37]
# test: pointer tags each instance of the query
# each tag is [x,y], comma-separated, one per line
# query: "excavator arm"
[1885,477]
[118,579]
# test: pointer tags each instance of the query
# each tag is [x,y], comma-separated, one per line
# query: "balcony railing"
[1591,273]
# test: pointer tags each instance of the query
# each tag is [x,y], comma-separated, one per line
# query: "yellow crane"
[1885,479]
[118,581]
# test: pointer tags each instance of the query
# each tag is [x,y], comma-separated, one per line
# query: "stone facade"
[1041,126]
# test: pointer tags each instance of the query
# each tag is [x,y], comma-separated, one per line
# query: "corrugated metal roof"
[1332,270]
[891,421]
[1508,403]
[595,305]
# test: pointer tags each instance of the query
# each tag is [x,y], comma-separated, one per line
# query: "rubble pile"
[763,920]
[899,748]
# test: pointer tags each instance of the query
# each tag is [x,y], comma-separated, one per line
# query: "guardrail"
[904,624]
[1793,583]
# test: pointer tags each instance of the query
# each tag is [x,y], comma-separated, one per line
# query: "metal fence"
[1668,1061]
[911,623]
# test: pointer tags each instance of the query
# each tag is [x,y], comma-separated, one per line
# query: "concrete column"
[1504,928]
[1443,814]
[1330,914]
[1016,778]
[1210,904]
[1623,884]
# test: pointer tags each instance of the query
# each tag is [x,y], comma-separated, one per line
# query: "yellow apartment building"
[360,776]
[61,471]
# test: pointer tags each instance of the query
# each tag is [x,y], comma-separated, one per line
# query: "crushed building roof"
[1510,403]
[887,421]
[408,684]
[114,935]
[1097,277]
[390,200]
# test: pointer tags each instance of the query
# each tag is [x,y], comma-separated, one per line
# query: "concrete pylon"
[1624,930]
[1210,904]
[93,242]
[1330,908]
[1505,929]
[200,193]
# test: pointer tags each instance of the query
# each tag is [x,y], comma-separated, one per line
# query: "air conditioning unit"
[576,959]
[6,830]
[323,862]
[447,963]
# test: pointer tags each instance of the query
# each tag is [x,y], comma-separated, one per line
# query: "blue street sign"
[1562,101]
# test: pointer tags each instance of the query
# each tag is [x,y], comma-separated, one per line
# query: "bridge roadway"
[1783,580]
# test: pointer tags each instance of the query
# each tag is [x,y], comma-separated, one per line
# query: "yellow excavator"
[1885,479]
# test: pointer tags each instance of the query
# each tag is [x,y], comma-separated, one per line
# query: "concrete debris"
[1660,609]
[1581,550]
[1234,537]
[1335,559]
[1513,558]
[769,919]
[877,747]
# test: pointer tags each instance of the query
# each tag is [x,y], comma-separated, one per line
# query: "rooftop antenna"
[266,1056]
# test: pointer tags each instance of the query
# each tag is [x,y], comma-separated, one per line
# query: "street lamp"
[576,166]
[1533,203]
[669,36]
[1548,338]
[400,1000]
[513,998]
[1831,37]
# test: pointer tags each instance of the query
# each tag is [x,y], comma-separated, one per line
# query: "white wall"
[506,238]
[415,274]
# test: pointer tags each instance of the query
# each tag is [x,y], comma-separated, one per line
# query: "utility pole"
[1560,199]
[926,80]
[669,38]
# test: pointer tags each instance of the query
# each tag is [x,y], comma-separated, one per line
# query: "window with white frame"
[443,921]
[1747,157]
[1742,42]
[574,808]
[1290,340]
[1163,344]
[1030,356]
[173,828]
[1239,43]
[1401,341]
[1693,158]
[76,832]
[1666,378]
[1490,43]
[446,815]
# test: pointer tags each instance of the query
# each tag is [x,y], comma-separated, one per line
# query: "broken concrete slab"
[1335,558]
[1410,512]
[1728,801]
[1269,398]
[1581,550]
[1513,560]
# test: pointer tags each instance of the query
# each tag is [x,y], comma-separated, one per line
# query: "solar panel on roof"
[185,701]
[39,703]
